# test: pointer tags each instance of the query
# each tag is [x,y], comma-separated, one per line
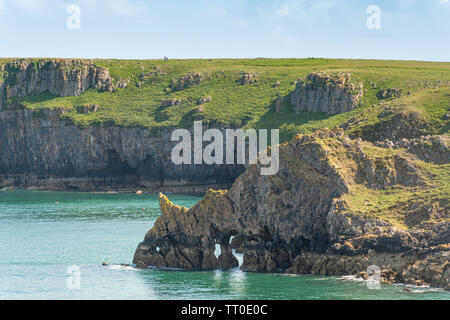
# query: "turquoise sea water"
[42,234]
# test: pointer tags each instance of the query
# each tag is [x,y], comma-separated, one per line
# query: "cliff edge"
[61,77]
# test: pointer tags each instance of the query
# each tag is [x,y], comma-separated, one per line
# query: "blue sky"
[410,29]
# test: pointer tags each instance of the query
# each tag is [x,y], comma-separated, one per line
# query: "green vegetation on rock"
[250,105]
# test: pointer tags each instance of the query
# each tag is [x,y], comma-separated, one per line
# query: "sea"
[53,245]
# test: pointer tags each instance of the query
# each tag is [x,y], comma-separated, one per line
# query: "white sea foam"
[122,267]
[238,256]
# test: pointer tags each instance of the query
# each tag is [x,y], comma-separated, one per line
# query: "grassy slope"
[250,105]
[402,206]
[398,204]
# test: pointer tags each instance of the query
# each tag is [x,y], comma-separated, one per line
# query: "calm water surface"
[42,234]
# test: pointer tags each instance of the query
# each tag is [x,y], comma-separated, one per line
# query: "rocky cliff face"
[39,149]
[321,92]
[60,77]
[306,219]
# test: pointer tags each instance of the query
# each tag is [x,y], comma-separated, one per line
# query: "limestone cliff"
[321,214]
[329,93]
[39,149]
[64,78]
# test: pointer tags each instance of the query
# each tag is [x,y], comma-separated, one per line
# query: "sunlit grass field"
[251,105]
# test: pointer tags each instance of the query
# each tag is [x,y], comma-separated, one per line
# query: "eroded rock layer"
[41,150]
[318,215]
[332,94]
[58,76]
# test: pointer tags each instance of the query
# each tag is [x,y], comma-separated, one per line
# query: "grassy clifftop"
[244,92]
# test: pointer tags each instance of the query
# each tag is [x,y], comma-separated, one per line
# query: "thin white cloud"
[221,14]
[297,8]
[126,7]
[30,6]
[121,8]
[283,11]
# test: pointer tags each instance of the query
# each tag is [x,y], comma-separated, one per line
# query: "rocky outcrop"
[271,216]
[187,240]
[186,81]
[432,269]
[203,100]
[389,93]
[304,219]
[171,102]
[395,124]
[381,173]
[122,83]
[88,108]
[332,94]
[64,78]
[247,78]
[428,148]
[40,149]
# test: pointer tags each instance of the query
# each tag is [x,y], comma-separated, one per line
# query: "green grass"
[394,204]
[250,106]
[433,105]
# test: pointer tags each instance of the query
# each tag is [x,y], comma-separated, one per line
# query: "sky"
[152,29]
